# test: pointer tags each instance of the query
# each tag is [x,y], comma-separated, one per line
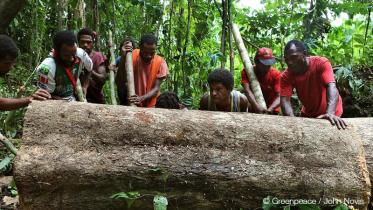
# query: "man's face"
[261,68]
[219,93]
[6,65]
[295,60]
[86,43]
[67,54]
[147,51]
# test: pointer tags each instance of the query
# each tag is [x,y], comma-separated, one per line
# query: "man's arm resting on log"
[7,104]
[275,104]
[286,106]
[153,92]
[333,97]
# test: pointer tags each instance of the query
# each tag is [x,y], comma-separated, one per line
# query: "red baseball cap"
[265,56]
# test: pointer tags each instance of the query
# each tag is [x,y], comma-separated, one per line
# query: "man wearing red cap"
[269,79]
[313,79]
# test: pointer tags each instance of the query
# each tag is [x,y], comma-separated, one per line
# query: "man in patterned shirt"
[59,72]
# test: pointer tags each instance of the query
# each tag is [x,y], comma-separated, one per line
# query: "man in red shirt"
[313,79]
[269,80]
[86,38]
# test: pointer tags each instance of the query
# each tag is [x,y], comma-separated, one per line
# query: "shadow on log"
[76,155]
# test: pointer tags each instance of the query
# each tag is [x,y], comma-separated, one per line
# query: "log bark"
[254,84]
[364,127]
[75,156]
[8,11]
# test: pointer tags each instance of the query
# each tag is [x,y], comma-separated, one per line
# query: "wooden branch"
[224,33]
[129,76]
[231,51]
[113,96]
[8,144]
[79,88]
[254,84]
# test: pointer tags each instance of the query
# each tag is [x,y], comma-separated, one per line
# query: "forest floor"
[8,201]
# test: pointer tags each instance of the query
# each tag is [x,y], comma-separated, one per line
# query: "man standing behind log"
[313,79]
[86,39]
[222,97]
[8,56]
[58,73]
[269,79]
[149,71]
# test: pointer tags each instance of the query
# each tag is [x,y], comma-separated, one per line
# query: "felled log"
[364,127]
[75,156]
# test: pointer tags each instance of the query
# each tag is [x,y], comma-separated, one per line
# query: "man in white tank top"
[222,97]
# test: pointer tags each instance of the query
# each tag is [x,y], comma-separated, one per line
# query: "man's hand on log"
[270,111]
[127,47]
[260,110]
[40,95]
[334,120]
[137,100]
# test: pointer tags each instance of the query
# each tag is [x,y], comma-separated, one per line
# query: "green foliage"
[129,197]
[13,189]
[5,163]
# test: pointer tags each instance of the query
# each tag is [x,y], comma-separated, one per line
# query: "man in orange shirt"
[149,70]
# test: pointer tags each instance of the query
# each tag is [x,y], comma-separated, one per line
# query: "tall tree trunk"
[231,51]
[199,160]
[96,23]
[224,32]
[169,42]
[186,83]
[79,14]
[8,11]
[179,46]
[113,96]
[254,84]
[61,6]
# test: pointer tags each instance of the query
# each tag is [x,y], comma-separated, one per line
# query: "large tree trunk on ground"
[75,156]
[9,10]
[364,127]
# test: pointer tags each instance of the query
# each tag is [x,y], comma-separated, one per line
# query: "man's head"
[221,84]
[168,100]
[64,44]
[8,54]
[86,39]
[264,59]
[295,55]
[148,47]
